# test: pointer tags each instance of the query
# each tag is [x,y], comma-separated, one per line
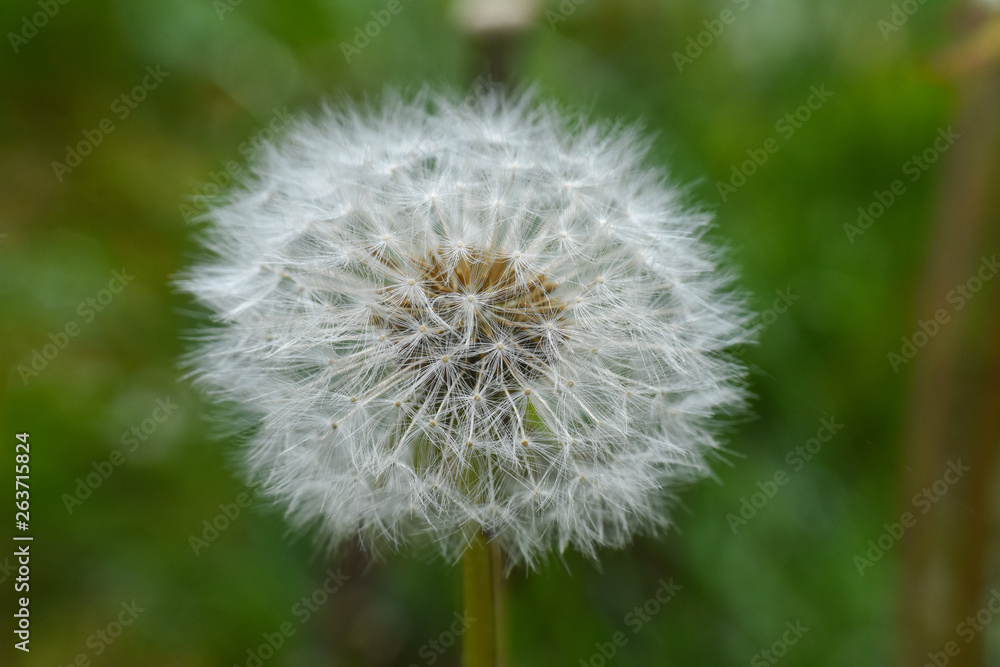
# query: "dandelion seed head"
[409,303]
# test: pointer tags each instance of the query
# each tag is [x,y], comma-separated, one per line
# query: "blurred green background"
[833,305]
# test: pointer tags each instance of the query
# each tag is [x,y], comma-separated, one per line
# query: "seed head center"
[516,314]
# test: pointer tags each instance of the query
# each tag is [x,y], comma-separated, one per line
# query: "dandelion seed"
[392,222]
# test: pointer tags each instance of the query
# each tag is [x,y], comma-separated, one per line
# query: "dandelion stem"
[482,584]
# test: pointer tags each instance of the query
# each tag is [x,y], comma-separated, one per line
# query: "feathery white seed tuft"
[385,266]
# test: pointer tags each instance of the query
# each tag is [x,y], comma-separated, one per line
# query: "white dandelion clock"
[451,317]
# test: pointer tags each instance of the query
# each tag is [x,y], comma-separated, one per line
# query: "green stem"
[482,584]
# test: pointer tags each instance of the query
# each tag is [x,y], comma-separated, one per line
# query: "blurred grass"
[122,208]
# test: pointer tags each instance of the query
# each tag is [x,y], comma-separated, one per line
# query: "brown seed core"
[513,314]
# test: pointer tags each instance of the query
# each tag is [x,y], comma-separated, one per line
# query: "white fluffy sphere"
[450,316]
